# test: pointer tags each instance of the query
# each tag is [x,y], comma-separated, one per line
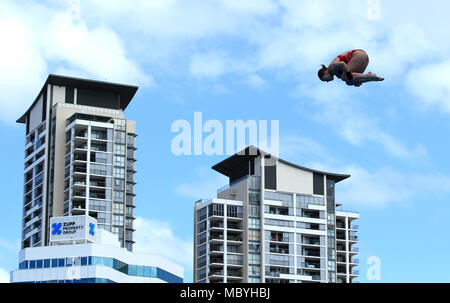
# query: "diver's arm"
[339,68]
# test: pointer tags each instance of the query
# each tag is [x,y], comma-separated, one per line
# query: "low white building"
[96,258]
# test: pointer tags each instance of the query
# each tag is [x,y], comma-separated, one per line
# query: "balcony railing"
[223,188]
[353,238]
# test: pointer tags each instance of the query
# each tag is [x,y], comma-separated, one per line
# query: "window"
[119,149]
[119,161]
[130,139]
[119,137]
[61,262]
[132,270]
[119,184]
[254,259]
[254,223]
[119,172]
[46,263]
[234,211]
[118,196]
[118,220]
[253,211]
[118,208]
[120,124]
[254,270]
[254,235]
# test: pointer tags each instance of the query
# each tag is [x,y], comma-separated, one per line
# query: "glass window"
[120,136]
[147,271]
[39,264]
[119,149]
[83,261]
[32,264]
[118,196]
[118,208]
[140,271]
[118,220]
[61,262]
[132,270]
[108,262]
[119,172]
[46,263]
[119,161]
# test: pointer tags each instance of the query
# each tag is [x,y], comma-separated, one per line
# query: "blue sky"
[254,60]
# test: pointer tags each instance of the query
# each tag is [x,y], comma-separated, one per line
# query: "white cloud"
[346,116]
[255,81]
[157,237]
[208,65]
[431,84]
[204,186]
[40,39]
[384,186]
[4,276]
[304,148]
[366,188]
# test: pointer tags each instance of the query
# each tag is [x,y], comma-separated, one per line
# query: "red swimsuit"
[347,56]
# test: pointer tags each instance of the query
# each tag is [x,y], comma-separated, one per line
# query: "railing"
[339,208]
[233,226]
[216,248]
[216,260]
[311,242]
[223,188]
[234,238]
[216,225]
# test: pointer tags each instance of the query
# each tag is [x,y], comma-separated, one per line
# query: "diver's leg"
[359,62]
[362,78]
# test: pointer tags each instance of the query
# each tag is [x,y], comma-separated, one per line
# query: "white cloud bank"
[157,237]
[39,39]
[4,276]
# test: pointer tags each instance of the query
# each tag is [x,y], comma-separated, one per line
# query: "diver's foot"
[376,78]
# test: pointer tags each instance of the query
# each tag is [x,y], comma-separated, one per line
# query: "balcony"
[216,273]
[216,260]
[216,224]
[311,242]
[279,239]
[79,194]
[216,249]
[353,238]
[311,253]
[233,225]
[216,237]
[234,238]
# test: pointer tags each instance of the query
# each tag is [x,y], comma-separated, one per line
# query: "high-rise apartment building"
[274,222]
[78,201]
[79,158]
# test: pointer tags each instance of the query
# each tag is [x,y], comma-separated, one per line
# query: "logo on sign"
[56,228]
[91,230]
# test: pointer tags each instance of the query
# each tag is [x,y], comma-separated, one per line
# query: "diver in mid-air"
[349,67]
